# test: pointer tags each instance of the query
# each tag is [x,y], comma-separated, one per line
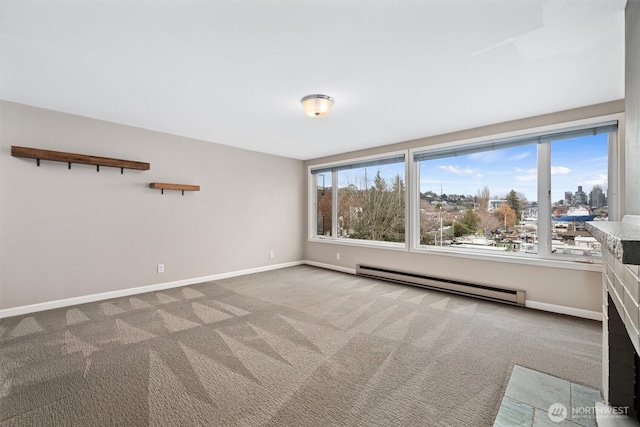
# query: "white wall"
[632,104]
[70,233]
[575,287]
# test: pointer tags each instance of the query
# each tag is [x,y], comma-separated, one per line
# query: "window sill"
[571,263]
[361,243]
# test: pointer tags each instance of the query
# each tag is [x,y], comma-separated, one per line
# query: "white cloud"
[600,179]
[518,170]
[456,170]
[560,170]
[529,175]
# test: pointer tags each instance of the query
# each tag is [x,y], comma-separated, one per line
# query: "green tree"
[468,224]
[514,202]
[379,184]
[377,213]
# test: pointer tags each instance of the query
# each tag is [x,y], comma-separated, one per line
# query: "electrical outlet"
[272,254]
[160,268]
[338,255]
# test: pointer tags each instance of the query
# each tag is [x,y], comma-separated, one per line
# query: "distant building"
[568,198]
[597,198]
[495,204]
[580,197]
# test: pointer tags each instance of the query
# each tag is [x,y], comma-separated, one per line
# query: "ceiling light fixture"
[317,105]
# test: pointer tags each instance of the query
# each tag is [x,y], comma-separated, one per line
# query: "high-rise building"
[596,197]
[580,197]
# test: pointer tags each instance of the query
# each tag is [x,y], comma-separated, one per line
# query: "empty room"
[329,213]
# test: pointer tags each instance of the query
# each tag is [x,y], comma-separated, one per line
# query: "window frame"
[544,255]
[616,170]
[313,203]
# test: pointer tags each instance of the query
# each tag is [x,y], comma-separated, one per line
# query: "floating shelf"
[180,187]
[59,156]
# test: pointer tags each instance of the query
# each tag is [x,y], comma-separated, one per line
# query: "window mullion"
[544,199]
[334,204]
[616,170]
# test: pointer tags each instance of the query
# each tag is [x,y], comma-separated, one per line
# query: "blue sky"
[578,161]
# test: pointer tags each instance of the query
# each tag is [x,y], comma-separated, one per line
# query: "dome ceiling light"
[317,105]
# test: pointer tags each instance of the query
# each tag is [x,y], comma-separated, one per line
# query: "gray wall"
[632,104]
[574,288]
[70,233]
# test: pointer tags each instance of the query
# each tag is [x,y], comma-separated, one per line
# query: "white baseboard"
[331,267]
[577,312]
[50,305]
[560,309]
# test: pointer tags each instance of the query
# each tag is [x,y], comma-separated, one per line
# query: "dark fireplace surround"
[623,365]
[621,311]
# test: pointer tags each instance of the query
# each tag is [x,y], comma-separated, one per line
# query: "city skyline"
[575,162]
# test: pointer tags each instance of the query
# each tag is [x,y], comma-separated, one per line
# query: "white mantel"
[621,238]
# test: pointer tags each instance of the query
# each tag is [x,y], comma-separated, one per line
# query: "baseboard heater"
[510,296]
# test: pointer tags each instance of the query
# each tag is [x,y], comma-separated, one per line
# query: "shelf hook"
[183,192]
[38,162]
[97,168]
[69,165]
[162,191]
[121,171]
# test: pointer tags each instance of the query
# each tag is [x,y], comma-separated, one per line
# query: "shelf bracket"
[97,168]
[38,162]
[121,171]
[183,192]
[69,165]
[162,191]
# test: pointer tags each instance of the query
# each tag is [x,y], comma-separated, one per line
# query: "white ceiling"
[233,71]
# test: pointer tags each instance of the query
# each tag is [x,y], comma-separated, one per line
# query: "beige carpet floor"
[300,346]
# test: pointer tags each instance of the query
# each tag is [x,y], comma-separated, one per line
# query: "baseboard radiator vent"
[510,296]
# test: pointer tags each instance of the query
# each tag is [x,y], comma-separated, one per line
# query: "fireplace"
[621,311]
[623,364]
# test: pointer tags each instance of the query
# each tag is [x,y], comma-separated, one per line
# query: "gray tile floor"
[536,399]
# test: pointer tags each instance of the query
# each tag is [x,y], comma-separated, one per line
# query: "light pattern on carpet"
[300,346]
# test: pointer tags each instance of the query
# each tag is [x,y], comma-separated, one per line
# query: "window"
[361,201]
[518,196]
[474,199]
[324,204]
[579,192]
[525,196]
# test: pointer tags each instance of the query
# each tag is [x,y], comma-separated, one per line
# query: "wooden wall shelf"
[60,156]
[180,187]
